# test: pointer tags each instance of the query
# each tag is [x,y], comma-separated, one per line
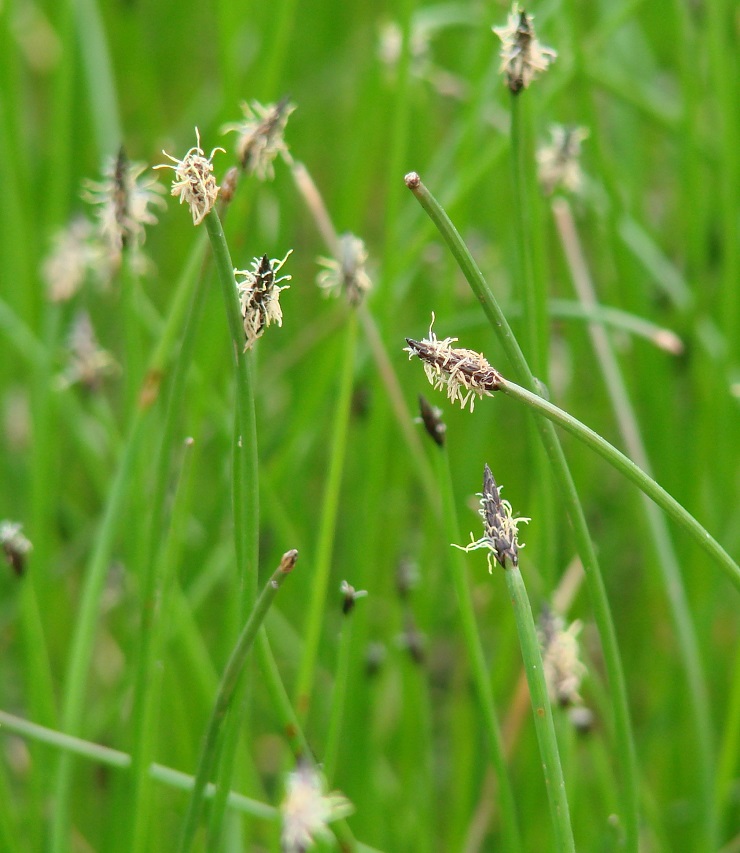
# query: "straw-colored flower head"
[124,200]
[500,527]
[558,163]
[465,374]
[259,296]
[14,545]
[307,810]
[261,136]
[194,181]
[346,274]
[562,665]
[522,56]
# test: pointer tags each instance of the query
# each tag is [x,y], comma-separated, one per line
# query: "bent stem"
[225,696]
[625,745]
[632,472]
[626,419]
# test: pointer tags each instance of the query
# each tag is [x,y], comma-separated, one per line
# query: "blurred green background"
[654,84]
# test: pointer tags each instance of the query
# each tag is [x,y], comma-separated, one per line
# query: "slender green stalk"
[226,694]
[510,833]
[528,239]
[149,682]
[627,467]
[95,573]
[155,572]
[541,709]
[666,556]
[245,483]
[625,746]
[86,626]
[338,699]
[314,201]
[114,758]
[727,765]
[280,699]
[328,523]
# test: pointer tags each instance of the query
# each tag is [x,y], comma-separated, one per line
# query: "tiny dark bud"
[16,561]
[348,601]
[431,417]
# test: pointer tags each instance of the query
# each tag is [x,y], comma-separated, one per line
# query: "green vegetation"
[167,658]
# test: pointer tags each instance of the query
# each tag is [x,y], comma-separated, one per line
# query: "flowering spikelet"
[261,135]
[500,527]
[65,268]
[557,163]
[88,363]
[522,56]
[563,668]
[124,200]
[465,373]
[14,545]
[259,297]
[346,273]
[307,810]
[194,182]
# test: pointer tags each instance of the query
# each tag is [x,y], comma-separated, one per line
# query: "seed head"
[88,363]
[15,545]
[558,163]
[563,668]
[346,273]
[307,810]
[522,56]
[194,182]
[500,527]
[261,136]
[465,373]
[259,296]
[124,201]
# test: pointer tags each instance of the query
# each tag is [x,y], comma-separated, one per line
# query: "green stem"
[624,414]
[338,699]
[95,573]
[226,693]
[625,745]
[510,833]
[528,236]
[114,758]
[149,675]
[543,722]
[627,467]
[156,571]
[245,486]
[328,523]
